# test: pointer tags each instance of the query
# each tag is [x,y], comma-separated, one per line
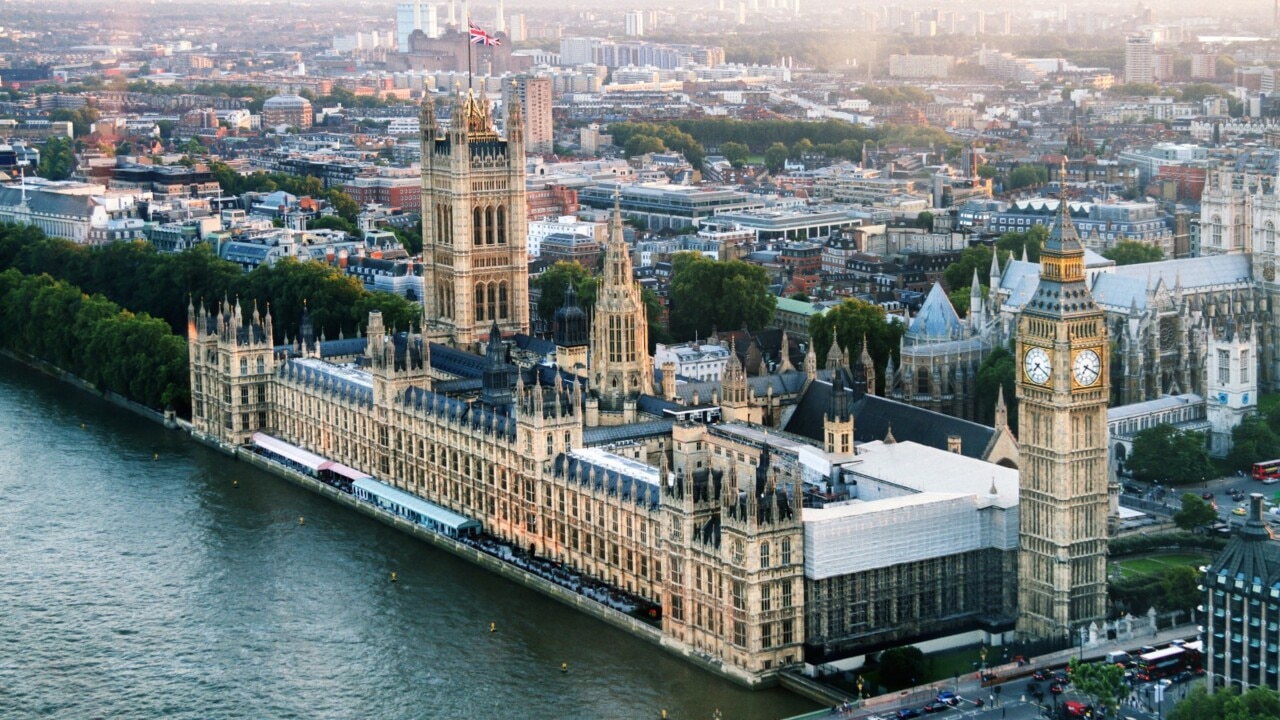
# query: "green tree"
[1195,513]
[924,220]
[1178,586]
[959,274]
[643,145]
[57,159]
[850,322]
[553,283]
[902,667]
[343,204]
[801,297]
[987,172]
[1253,440]
[1026,176]
[997,372]
[1102,681]
[410,238]
[726,295]
[1259,703]
[1132,252]
[81,118]
[332,222]
[775,157]
[960,300]
[1166,453]
[193,147]
[736,153]
[653,315]
[1012,244]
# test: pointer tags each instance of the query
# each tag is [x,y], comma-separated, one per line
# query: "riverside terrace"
[341,477]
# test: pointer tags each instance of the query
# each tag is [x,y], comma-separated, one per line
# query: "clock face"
[1036,365]
[1087,368]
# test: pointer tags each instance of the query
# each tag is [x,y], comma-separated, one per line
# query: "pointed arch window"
[479,301]
[502,224]
[488,225]
[1269,240]
[477,228]
[503,304]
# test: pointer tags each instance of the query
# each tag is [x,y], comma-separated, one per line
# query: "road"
[1013,700]
[1014,703]
[1167,500]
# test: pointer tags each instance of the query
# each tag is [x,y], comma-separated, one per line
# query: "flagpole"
[469,44]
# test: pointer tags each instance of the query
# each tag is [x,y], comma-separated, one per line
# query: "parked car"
[908,713]
[936,706]
[1239,511]
[1040,674]
[1206,496]
[1132,489]
[1056,689]
[948,697]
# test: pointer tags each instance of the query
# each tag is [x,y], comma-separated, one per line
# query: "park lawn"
[1154,565]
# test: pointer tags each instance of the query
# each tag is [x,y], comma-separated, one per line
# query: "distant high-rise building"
[634,23]
[290,110]
[1204,66]
[408,16]
[500,18]
[1139,61]
[742,12]
[517,28]
[534,95]
[415,15]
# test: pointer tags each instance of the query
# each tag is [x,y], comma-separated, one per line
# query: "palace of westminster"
[776,518]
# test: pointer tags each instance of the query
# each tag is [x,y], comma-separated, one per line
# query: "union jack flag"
[480,37]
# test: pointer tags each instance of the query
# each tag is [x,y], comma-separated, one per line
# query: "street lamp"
[859,687]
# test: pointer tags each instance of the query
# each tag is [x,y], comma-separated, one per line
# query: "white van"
[1118,656]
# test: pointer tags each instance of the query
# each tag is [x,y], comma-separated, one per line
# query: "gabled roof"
[1193,273]
[1118,292]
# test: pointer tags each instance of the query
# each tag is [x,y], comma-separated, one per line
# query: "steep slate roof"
[606,434]
[782,384]
[872,416]
[1252,556]
[456,362]
[1118,292]
[1193,273]
[50,203]
[937,319]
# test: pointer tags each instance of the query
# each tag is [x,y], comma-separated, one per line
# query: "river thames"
[136,581]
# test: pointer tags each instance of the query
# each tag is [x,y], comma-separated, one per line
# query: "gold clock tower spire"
[1063,389]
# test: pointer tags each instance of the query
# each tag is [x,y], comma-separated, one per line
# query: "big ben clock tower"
[1062,429]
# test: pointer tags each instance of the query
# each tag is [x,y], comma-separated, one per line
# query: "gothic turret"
[621,369]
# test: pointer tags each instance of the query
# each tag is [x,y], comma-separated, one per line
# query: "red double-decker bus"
[1266,469]
[1169,661]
